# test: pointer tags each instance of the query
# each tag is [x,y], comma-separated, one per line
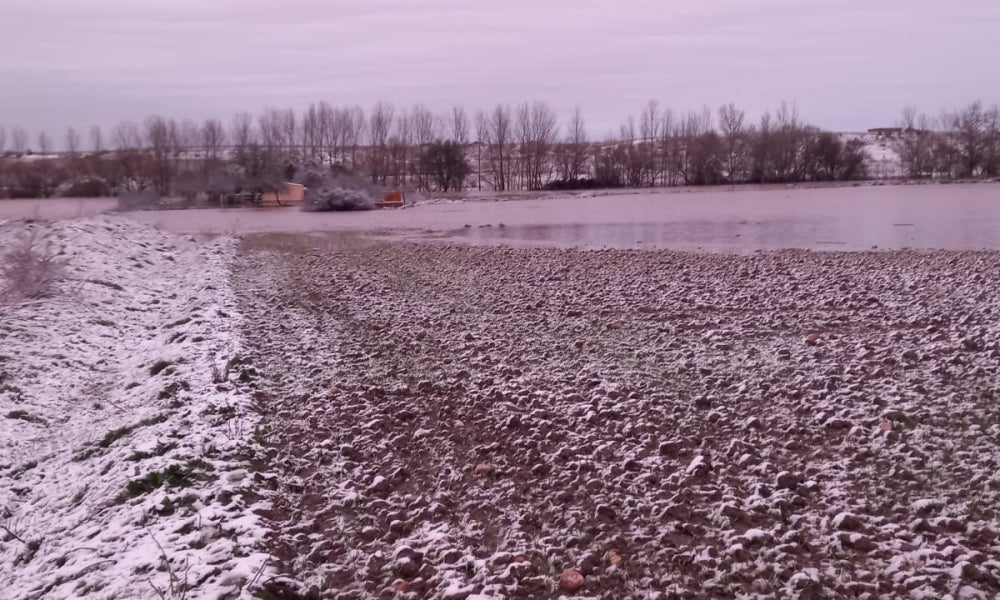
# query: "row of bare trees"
[964,143]
[702,148]
[503,148]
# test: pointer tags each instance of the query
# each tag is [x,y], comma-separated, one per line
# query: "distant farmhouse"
[886,133]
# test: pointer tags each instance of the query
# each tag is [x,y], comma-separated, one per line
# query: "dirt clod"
[570,581]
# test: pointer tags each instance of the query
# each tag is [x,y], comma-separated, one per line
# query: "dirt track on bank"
[457,422]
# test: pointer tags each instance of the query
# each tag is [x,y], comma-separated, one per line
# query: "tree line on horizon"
[521,147]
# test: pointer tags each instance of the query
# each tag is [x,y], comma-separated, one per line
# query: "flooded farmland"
[930,216]
[957,217]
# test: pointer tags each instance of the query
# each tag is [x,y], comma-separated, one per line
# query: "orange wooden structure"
[393,199]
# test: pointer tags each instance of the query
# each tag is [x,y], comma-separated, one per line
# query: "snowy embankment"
[120,443]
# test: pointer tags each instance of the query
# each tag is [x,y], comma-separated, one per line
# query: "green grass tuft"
[116,434]
[158,367]
[171,390]
[160,450]
[174,476]
[108,284]
[23,415]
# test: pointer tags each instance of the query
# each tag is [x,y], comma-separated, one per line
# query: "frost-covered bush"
[326,191]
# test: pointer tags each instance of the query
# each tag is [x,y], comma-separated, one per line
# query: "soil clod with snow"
[472,423]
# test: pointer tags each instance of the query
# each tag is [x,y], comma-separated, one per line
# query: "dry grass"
[31,269]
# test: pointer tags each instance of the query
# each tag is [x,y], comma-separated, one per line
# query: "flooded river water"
[840,218]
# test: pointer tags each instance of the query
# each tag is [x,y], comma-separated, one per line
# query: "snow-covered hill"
[883,154]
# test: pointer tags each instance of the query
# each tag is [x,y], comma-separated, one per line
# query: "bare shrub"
[328,191]
[220,374]
[31,269]
[179,588]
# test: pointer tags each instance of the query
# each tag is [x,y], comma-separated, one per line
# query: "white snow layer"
[120,468]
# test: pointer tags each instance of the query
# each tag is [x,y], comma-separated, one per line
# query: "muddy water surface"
[843,218]
[55,208]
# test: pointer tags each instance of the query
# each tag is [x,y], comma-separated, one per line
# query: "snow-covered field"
[495,423]
[122,469]
[335,416]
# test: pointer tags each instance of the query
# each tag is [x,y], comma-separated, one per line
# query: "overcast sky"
[847,64]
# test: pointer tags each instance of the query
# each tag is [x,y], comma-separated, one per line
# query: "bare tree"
[917,144]
[3,148]
[459,125]
[288,129]
[127,136]
[910,117]
[212,141]
[256,160]
[342,133]
[971,130]
[782,148]
[213,138]
[537,132]
[822,157]
[482,133]
[400,140]
[241,132]
[276,134]
[668,148]
[214,179]
[187,135]
[18,140]
[762,151]
[72,141]
[42,171]
[733,127]
[204,172]
[96,138]
[425,125]
[789,143]
[330,132]
[445,165]
[573,154]
[354,133]
[311,134]
[649,133]
[630,155]
[161,144]
[702,148]
[522,126]
[380,124]
[497,132]
[130,167]
[611,160]
[991,165]
[44,143]
[270,131]
[424,130]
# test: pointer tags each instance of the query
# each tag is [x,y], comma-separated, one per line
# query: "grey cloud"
[848,65]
